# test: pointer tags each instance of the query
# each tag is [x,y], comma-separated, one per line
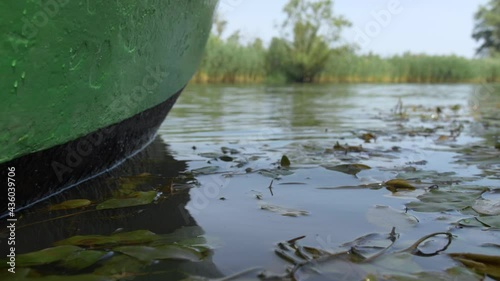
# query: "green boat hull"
[76,73]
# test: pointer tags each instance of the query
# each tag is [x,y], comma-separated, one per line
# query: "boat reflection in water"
[153,169]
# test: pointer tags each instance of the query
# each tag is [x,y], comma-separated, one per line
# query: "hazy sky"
[385,27]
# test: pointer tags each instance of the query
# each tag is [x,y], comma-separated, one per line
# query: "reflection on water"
[152,169]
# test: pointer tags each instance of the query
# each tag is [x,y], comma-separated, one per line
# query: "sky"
[385,27]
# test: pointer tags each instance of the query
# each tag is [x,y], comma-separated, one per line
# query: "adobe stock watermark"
[380,20]
[85,147]
[31,26]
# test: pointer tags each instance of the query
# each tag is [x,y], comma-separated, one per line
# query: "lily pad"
[71,204]
[133,199]
[125,238]
[171,252]
[444,200]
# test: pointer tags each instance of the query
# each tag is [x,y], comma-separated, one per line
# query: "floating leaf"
[205,170]
[120,265]
[454,273]
[210,155]
[470,222]
[133,199]
[284,211]
[489,265]
[285,162]
[226,158]
[71,204]
[487,207]
[440,201]
[371,245]
[82,259]
[490,221]
[125,238]
[350,169]
[275,173]
[172,252]
[82,277]
[46,256]
[398,184]
[387,217]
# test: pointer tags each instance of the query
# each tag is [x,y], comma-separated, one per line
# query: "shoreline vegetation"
[229,61]
[311,50]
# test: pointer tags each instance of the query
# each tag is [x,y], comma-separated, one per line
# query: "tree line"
[310,49]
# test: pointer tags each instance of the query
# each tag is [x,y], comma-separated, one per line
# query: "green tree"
[311,30]
[487,28]
[219,25]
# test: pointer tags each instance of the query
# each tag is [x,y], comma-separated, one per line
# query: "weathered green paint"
[70,67]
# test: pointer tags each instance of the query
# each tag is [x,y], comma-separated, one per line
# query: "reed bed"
[228,61]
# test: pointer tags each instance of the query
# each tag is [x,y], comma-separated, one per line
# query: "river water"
[218,169]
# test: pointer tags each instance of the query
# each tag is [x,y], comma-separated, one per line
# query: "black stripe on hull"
[44,173]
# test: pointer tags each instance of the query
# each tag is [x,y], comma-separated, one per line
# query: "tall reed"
[229,61]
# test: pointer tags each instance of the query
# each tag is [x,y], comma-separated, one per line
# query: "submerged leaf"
[275,173]
[371,245]
[133,199]
[173,252]
[120,264]
[490,221]
[387,217]
[82,259]
[350,169]
[482,221]
[489,265]
[46,256]
[71,204]
[125,238]
[205,170]
[441,201]
[288,212]
[454,273]
[487,207]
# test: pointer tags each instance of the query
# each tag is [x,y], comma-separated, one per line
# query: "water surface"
[220,150]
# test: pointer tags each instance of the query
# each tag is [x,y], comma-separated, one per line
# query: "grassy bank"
[228,61]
